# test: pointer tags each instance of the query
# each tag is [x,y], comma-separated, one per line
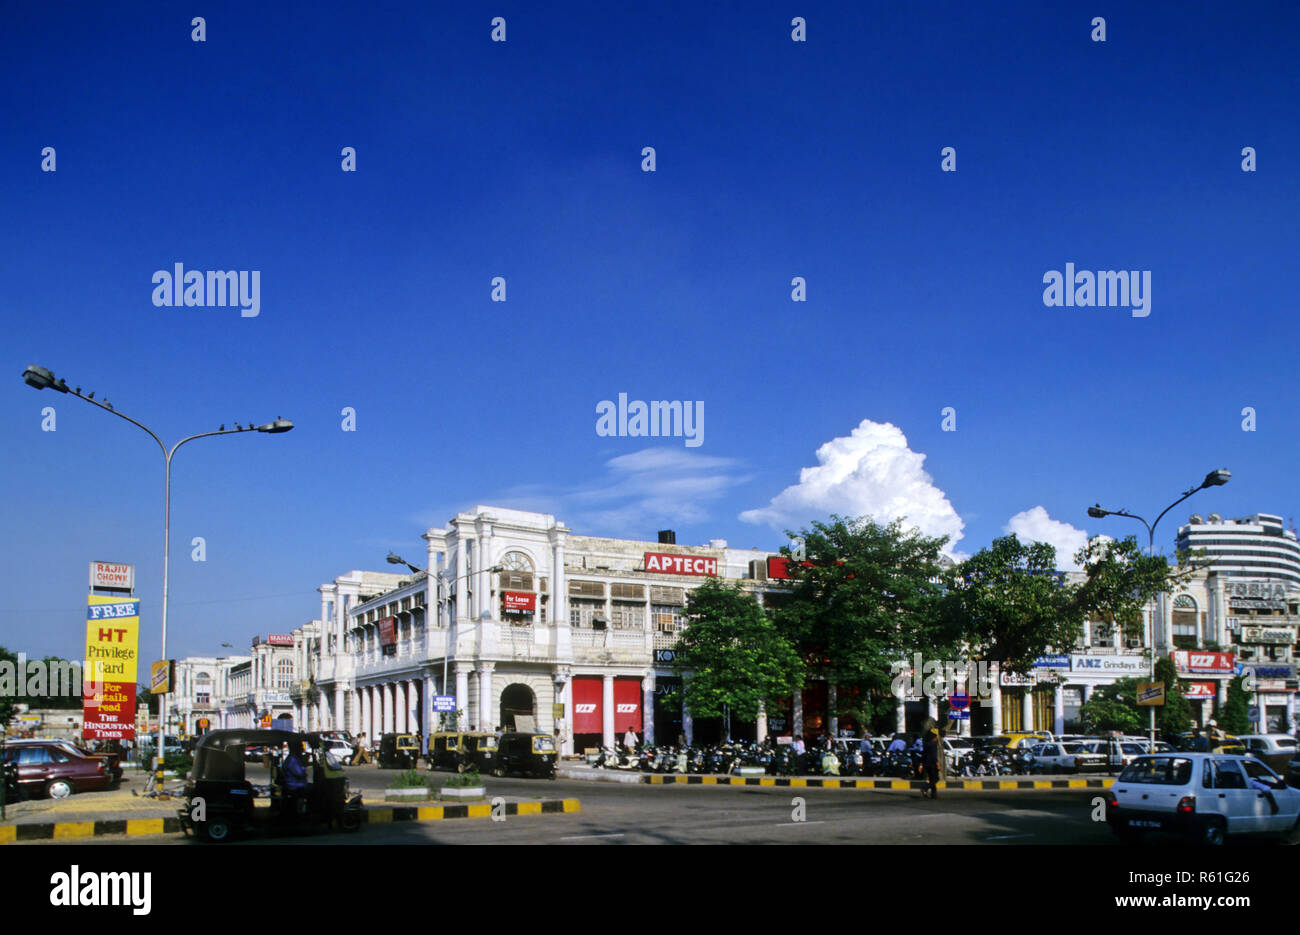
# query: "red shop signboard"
[586,705]
[519,602]
[1198,691]
[1197,662]
[627,705]
[387,631]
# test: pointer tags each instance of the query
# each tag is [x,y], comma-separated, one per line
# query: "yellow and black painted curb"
[958,785]
[72,830]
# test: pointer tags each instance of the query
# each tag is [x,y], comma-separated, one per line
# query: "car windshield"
[1160,771]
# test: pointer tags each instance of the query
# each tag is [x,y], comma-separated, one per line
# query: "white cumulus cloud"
[870,472]
[1037,526]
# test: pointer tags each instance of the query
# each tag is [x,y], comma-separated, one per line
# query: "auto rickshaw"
[462,750]
[219,799]
[527,754]
[398,750]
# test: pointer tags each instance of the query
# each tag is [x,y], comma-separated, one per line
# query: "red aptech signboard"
[669,563]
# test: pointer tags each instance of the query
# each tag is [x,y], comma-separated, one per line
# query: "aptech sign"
[112,651]
[671,564]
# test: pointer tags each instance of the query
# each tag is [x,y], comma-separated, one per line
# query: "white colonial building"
[201,683]
[258,691]
[518,617]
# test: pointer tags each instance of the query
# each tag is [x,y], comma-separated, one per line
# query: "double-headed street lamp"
[40,378]
[1213,479]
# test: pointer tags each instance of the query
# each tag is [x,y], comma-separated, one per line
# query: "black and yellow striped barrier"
[970,785]
[72,830]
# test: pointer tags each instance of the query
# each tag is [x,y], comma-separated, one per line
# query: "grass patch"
[410,779]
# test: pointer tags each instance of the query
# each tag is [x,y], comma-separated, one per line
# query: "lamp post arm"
[120,415]
[1174,504]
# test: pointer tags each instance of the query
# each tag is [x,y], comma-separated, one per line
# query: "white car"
[341,750]
[1065,758]
[1207,796]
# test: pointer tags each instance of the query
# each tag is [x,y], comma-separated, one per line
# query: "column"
[1058,727]
[376,712]
[367,716]
[486,708]
[995,698]
[607,711]
[688,722]
[932,707]
[648,705]
[900,712]
[832,708]
[796,713]
[387,691]
[1027,708]
[462,580]
[761,724]
[413,722]
[336,721]
[428,720]
[399,707]
[462,692]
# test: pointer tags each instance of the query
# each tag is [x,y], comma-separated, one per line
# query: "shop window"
[1185,629]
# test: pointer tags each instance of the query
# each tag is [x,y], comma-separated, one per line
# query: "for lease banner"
[112,654]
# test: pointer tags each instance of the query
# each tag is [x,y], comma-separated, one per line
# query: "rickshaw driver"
[293,774]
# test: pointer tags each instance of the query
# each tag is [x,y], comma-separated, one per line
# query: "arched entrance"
[517,699]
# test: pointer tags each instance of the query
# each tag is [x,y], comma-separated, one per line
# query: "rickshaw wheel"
[350,821]
[216,830]
[498,771]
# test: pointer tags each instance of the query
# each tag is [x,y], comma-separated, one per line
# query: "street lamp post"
[40,378]
[1213,479]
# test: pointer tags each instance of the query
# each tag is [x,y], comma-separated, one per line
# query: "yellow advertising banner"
[112,655]
[1151,693]
[160,677]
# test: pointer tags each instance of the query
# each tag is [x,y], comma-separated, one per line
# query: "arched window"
[1184,622]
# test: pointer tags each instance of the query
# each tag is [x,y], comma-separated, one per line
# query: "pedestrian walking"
[629,740]
[930,758]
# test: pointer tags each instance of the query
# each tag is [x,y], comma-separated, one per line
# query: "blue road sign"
[445,703]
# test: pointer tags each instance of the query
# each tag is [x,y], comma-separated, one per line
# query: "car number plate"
[1143,823]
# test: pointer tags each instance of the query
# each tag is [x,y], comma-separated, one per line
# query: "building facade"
[259,690]
[201,684]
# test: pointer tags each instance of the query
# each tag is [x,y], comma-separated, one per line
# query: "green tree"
[8,702]
[1122,579]
[1113,707]
[732,654]
[1009,604]
[1175,715]
[867,596]
[1235,716]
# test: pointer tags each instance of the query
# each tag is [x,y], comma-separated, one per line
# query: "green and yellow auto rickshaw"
[398,751]
[528,754]
[462,750]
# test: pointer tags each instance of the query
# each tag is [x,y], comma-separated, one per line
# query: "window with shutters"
[516,581]
[627,617]
[667,619]
[1185,629]
[672,596]
[587,589]
[627,592]
[586,614]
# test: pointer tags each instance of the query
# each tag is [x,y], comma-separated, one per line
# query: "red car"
[57,769]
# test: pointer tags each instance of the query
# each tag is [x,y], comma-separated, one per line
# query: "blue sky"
[522,159]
